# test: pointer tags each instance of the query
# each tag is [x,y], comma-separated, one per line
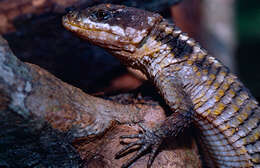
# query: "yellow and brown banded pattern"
[196,86]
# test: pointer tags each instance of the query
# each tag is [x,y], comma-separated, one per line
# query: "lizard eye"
[101,15]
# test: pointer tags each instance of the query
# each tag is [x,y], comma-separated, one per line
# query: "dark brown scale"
[200,63]
[167,38]
[211,71]
[179,47]
[159,33]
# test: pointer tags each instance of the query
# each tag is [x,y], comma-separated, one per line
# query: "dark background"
[248,36]
[39,38]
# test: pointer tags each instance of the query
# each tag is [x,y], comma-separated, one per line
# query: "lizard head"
[117,28]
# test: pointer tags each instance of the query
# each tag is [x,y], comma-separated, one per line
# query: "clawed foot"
[148,140]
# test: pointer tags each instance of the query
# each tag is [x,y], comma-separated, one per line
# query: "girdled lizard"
[198,88]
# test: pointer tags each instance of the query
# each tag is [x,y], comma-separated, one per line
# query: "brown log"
[45,106]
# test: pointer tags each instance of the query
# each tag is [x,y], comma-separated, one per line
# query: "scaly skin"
[197,87]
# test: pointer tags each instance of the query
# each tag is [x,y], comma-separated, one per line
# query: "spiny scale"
[226,113]
[197,87]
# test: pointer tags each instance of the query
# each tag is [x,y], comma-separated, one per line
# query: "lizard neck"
[165,47]
[168,54]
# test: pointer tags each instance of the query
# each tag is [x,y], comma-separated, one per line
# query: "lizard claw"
[148,140]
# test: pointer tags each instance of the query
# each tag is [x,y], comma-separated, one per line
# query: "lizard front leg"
[174,124]
[151,139]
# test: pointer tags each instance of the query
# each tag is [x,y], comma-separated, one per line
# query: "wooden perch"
[45,121]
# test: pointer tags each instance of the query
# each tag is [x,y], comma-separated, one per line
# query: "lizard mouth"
[101,34]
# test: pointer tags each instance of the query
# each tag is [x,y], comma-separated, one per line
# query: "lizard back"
[188,79]
[226,113]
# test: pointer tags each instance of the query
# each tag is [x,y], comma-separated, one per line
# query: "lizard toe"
[148,141]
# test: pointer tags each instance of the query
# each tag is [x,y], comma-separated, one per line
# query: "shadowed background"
[228,29]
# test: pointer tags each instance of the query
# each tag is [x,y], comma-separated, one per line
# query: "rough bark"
[44,121]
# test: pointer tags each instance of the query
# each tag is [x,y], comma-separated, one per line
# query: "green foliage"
[248,19]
